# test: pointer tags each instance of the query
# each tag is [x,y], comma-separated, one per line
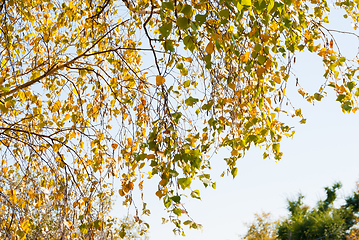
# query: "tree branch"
[56,68]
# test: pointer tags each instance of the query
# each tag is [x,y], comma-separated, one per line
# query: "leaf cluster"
[97,96]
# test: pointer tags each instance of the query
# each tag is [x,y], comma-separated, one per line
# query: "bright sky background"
[323,151]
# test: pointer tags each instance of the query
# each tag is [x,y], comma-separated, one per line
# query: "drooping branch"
[55,68]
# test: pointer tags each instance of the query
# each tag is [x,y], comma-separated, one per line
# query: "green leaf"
[347,107]
[165,29]
[252,138]
[191,101]
[168,5]
[98,224]
[276,147]
[208,61]
[224,13]
[177,211]
[261,59]
[205,179]
[179,65]
[182,22]
[167,201]
[176,116]
[176,199]
[350,85]
[122,233]
[234,172]
[3,108]
[184,182]
[83,228]
[340,97]
[187,222]
[318,96]
[201,18]
[187,10]
[258,47]
[168,45]
[207,106]
[189,43]
[195,194]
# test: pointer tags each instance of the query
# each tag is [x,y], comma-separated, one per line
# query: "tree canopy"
[323,222]
[262,228]
[96,96]
[326,220]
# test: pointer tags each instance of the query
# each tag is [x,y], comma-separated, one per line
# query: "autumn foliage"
[96,96]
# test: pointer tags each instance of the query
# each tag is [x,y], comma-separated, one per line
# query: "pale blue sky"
[323,150]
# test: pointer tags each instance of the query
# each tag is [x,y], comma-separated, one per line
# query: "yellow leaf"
[160,80]
[4,169]
[159,194]
[322,52]
[57,105]
[277,79]
[8,104]
[245,57]
[253,31]
[205,136]
[302,92]
[121,192]
[162,182]
[114,146]
[232,86]
[341,89]
[161,154]
[260,71]
[268,63]
[67,116]
[72,135]
[234,152]
[140,185]
[265,37]
[189,59]
[25,225]
[210,48]
[56,147]
[31,193]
